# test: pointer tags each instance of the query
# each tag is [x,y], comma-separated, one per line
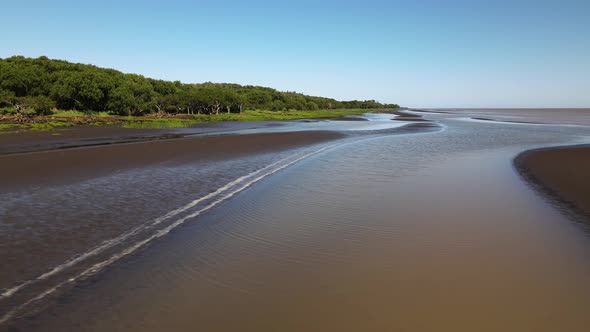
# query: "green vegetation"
[4,126]
[160,123]
[73,113]
[34,126]
[43,93]
[42,84]
[253,115]
[262,115]
[72,118]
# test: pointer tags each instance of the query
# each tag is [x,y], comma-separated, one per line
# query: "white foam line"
[99,266]
[117,240]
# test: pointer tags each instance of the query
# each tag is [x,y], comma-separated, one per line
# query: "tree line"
[42,84]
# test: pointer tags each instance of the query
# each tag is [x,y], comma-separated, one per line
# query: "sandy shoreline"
[60,138]
[561,173]
[70,165]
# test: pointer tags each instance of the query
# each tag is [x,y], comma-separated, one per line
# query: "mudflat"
[79,136]
[70,165]
[562,172]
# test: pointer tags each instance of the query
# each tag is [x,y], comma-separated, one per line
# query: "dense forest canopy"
[43,84]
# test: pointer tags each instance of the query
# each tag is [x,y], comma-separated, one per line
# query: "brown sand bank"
[60,138]
[562,172]
[63,166]
[404,116]
[77,136]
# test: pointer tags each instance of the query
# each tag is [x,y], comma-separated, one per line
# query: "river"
[381,230]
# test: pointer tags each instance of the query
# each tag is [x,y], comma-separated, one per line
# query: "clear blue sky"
[415,53]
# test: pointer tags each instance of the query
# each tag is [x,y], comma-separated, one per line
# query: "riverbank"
[73,119]
[562,173]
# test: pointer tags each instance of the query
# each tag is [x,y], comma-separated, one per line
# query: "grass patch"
[42,126]
[73,113]
[264,115]
[7,126]
[248,116]
[46,126]
[75,118]
[159,123]
[69,113]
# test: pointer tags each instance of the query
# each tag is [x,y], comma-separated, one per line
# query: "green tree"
[78,90]
[278,105]
[91,89]
[40,105]
[310,105]
[133,96]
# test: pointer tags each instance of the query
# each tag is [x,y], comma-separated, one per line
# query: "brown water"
[424,232]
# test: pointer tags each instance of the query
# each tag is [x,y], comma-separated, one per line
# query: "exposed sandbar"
[563,173]
[63,166]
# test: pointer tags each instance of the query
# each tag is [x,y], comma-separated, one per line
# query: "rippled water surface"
[429,231]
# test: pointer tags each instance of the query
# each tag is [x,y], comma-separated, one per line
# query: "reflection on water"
[374,121]
[431,231]
[571,116]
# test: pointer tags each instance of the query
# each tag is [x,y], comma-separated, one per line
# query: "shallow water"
[428,231]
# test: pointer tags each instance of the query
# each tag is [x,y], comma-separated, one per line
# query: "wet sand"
[80,136]
[405,116]
[563,173]
[17,142]
[71,165]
